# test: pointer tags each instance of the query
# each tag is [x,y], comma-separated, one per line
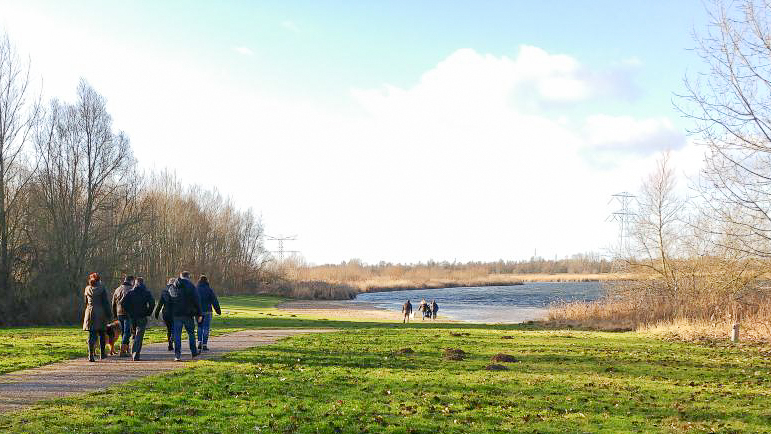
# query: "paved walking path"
[22,389]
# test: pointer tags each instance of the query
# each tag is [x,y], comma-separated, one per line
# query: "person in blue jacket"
[208,301]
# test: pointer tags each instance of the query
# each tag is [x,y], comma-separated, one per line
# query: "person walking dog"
[138,304]
[96,316]
[186,308]
[119,313]
[164,308]
[208,301]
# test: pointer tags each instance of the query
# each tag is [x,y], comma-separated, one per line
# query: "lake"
[491,304]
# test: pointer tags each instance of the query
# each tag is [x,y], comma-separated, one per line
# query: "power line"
[623,216]
[281,240]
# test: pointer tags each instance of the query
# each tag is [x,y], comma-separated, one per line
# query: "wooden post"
[735,333]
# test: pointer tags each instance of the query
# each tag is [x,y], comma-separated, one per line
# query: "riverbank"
[345,311]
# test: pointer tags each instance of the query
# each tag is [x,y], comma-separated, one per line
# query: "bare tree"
[731,106]
[85,178]
[658,224]
[18,113]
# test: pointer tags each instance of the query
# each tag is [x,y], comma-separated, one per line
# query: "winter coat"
[434,307]
[164,305]
[208,299]
[117,299]
[407,308]
[97,313]
[184,299]
[138,303]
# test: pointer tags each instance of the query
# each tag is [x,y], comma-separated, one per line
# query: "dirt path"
[22,389]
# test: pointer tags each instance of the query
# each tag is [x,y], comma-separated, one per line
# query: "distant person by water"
[434,309]
[407,311]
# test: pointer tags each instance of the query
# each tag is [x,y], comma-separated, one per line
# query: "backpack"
[176,291]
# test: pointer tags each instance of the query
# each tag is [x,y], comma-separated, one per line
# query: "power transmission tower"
[623,216]
[281,240]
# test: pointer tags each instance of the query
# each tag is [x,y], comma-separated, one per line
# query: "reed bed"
[344,281]
[700,312]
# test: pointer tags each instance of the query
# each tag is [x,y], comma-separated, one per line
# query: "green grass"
[353,381]
[29,347]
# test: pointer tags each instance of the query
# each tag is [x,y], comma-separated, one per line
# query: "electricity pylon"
[281,240]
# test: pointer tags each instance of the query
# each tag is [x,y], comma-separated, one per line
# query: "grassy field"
[358,380]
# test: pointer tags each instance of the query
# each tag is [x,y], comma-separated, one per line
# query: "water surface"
[491,304]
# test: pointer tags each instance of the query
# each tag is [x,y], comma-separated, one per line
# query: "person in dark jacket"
[208,301]
[434,309]
[138,304]
[186,308]
[164,307]
[96,316]
[118,312]
[407,311]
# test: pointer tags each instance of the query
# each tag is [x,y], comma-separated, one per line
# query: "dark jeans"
[204,327]
[188,323]
[125,326]
[93,335]
[139,325]
[169,329]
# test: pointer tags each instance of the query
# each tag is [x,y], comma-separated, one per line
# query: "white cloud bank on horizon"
[477,160]
[485,157]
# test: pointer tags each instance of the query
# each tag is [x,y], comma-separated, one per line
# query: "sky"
[396,131]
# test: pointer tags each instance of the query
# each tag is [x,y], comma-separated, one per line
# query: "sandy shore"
[333,310]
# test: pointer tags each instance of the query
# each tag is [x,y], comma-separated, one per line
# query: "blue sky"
[396,130]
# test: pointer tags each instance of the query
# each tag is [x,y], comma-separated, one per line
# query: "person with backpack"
[96,316]
[164,308]
[118,312]
[186,308]
[138,304]
[208,301]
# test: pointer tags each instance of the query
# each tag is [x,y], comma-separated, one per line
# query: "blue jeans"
[125,326]
[140,325]
[187,322]
[204,327]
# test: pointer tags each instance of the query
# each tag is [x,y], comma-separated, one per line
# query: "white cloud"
[291,26]
[477,160]
[246,51]
[465,164]
[629,134]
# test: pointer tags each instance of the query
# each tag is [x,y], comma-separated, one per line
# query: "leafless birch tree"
[18,113]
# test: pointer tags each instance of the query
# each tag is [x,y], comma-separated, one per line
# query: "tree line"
[73,200]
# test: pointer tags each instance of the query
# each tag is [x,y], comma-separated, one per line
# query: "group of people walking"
[427,310]
[181,304]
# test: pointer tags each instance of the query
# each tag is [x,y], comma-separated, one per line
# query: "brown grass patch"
[454,354]
[504,358]
[495,367]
